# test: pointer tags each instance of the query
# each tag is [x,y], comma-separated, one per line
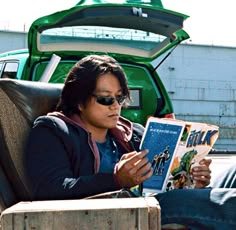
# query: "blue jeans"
[208,208]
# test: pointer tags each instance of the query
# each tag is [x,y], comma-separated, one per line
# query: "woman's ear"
[80,107]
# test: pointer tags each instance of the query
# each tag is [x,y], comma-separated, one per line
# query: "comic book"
[175,146]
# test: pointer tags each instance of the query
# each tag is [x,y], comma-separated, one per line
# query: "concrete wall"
[10,40]
[201,81]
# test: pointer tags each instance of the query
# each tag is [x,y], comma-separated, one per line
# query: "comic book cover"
[175,146]
[196,142]
[161,138]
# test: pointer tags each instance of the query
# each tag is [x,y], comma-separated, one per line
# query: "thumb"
[205,162]
[128,155]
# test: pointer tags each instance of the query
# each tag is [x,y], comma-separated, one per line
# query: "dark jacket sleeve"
[50,155]
[138,131]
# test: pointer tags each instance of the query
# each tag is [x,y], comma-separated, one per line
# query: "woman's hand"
[202,173]
[132,169]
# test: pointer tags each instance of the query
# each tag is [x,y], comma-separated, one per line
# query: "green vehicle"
[134,32]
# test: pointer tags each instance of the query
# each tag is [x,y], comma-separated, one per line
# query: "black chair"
[20,103]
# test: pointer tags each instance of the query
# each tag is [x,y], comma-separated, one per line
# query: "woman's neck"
[98,134]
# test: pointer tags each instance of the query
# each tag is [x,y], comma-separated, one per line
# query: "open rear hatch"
[137,31]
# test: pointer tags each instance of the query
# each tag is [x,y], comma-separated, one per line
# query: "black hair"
[81,81]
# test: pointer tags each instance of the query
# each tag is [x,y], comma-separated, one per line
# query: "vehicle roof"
[18,52]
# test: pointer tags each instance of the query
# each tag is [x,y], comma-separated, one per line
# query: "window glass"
[1,66]
[136,98]
[10,70]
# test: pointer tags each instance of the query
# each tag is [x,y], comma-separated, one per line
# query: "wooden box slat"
[100,214]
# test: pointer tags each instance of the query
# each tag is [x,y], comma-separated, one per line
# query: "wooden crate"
[95,214]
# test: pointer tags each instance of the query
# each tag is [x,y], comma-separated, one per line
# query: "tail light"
[170,115]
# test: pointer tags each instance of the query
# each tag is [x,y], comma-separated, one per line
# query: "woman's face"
[96,115]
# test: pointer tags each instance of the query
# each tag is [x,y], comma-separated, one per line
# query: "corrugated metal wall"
[201,80]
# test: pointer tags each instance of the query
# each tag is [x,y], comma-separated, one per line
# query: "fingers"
[133,168]
[132,161]
[142,174]
[145,176]
[134,156]
[128,155]
[203,177]
[138,167]
[203,182]
[202,173]
[203,167]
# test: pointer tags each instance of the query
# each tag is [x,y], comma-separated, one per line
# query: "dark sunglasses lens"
[120,99]
[105,100]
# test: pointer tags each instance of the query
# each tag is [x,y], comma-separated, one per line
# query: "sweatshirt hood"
[122,131]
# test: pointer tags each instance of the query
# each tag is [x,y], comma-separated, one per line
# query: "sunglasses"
[108,100]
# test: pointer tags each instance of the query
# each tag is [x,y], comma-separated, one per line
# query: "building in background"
[11,40]
[201,81]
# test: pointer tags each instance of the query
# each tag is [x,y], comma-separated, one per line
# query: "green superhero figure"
[182,173]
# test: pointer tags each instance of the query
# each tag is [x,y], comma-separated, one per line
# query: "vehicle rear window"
[84,38]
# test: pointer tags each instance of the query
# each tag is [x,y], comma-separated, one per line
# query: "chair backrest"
[20,103]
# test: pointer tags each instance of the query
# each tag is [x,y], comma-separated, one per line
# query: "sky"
[210,22]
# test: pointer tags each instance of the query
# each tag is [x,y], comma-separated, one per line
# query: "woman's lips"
[114,115]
